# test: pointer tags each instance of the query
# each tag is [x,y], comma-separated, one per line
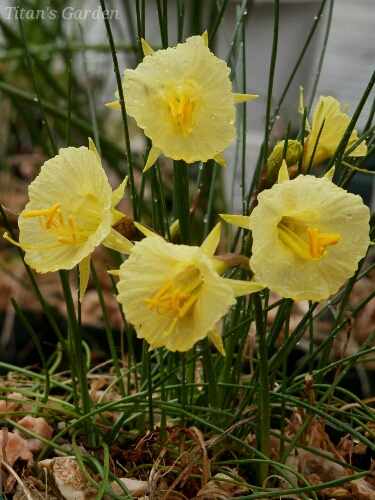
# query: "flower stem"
[211,198]
[79,365]
[263,431]
[210,375]
[116,69]
[181,200]
[110,339]
[183,392]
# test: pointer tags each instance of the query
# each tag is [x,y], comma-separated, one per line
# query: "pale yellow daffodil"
[308,236]
[182,98]
[335,125]
[174,295]
[70,212]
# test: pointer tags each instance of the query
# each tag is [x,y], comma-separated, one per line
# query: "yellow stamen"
[314,249]
[54,222]
[179,301]
[48,213]
[319,241]
[161,296]
[182,112]
[188,305]
[28,247]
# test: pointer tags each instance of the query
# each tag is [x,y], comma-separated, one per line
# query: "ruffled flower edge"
[214,302]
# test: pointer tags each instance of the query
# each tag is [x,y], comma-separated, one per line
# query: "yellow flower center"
[181,301]
[312,249]
[54,222]
[182,112]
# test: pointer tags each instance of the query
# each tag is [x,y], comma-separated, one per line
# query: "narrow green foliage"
[284,377]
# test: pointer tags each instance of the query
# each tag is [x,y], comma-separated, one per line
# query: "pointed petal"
[220,160]
[361,150]
[205,38]
[117,216]
[283,173]
[117,242]
[147,50]
[152,157]
[217,341]
[113,105]
[211,243]
[240,287]
[329,175]
[237,220]
[92,148]
[118,193]
[243,97]
[114,272]
[84,272]
[145,231]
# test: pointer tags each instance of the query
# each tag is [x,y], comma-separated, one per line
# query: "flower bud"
[293,154]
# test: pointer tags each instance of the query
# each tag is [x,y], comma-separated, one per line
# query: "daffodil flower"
[308,236]
[334,127]
[174,295]
[70,212]
[182,98]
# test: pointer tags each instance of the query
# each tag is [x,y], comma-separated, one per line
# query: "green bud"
[293,154]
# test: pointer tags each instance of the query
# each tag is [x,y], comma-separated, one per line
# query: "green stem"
[211,35]
[36,89]
[69,104]
[263,433]
[210,376]
[321,57]
[181,199]
[288,306]
[89,93]
[35,338]
[150,392]
[183,392]
[163,422]
[180,19]
[211,198]
[116,69]
[76,338]
[230,346]
[272,73]
[108,329]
